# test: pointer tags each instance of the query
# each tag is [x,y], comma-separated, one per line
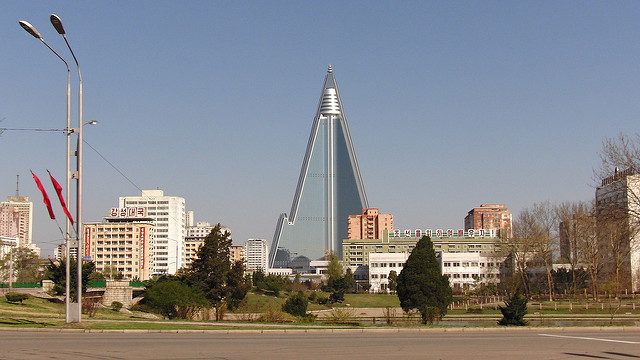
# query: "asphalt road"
[527,344]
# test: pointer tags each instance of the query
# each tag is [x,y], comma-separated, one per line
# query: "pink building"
[489,216]
[369,225]
[10,221]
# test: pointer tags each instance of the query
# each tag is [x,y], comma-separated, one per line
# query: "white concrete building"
[621,191]
[170,220]
[381,265]
[466,270]
[257,254]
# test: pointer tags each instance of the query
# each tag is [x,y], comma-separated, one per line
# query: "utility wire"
[112,165]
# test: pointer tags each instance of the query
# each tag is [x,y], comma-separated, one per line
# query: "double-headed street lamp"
[57,24]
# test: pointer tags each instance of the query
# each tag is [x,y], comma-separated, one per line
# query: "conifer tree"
[421,284]
[514,310]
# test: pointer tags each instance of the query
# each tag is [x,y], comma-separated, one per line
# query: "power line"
[112,165]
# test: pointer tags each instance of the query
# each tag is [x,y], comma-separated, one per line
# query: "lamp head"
[30,29]
[57,23]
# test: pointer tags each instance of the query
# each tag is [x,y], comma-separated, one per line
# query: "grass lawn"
[371,300]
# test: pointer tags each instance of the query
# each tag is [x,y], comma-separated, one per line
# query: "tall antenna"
[17,185]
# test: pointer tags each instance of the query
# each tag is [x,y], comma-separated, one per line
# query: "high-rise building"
[369,225]
[25,207]
[169,219]
[329,188]
[124,242]
[490,217]
[618,226]
[195,238]
[256,253]
[10,218]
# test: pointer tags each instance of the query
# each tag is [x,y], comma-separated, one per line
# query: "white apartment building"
[25,225]
[169,219]
[257,254]
[466,270]
[621,191]
[381,265]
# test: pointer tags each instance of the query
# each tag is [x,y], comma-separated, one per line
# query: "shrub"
[514,310]
[90,306]
[16,297]
[340,316]
[116,306]
[275,316]
[172,298]
[296,304]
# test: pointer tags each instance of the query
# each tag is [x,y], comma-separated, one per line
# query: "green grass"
[371,300]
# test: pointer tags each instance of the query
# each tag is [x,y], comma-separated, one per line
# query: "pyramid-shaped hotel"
[329,188]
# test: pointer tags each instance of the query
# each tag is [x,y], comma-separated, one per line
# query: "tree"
[296,304]
[421,284]
[56,272]
[212,274]
[618,208]
[25,264]
[334,269]
[514,310]
[111,272]
[349,281]
[393,280]
[533,242]
[237,285]
[173,298]
[271,284]
[569,215]
[257,276]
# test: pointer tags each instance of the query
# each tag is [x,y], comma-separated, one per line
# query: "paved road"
[521,345]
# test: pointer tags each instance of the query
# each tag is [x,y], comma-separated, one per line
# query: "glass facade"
[329,189]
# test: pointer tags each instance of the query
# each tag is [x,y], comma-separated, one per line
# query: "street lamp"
[57,24]
[32,30]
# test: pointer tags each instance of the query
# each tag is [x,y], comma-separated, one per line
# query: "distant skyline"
[449,104]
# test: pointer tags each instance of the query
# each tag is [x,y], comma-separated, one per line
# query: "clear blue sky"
[450,104]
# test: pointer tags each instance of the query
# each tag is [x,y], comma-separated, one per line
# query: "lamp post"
[57,24]
[32,30]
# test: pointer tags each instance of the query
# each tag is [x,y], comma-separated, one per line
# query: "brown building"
[369,225]
[236,253]
[490,216]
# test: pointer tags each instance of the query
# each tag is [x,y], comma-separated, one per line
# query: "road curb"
[331,331]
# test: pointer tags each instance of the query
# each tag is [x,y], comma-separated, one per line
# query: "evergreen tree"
[56,272]
[296,304]
[393,280]
[349,280]
[210,272]
[421,284]
[514,310]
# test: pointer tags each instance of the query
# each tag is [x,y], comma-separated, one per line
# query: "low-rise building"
[467,270]
[356,252]
[381,265]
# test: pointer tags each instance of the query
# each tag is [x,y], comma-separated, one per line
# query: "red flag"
[45,197]
[59,192]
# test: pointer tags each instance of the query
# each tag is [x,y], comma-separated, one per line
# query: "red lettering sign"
[142,241]
[87,241]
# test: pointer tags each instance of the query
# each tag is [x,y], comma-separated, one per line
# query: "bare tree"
[533,242]
[573,218]
[618,209]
